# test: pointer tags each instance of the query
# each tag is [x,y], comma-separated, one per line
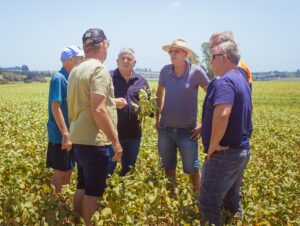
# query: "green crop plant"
[271,184]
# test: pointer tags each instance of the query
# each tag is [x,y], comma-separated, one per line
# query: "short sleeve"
[224,92]
[203,78]
[55,94]
[100,81]
[161,80]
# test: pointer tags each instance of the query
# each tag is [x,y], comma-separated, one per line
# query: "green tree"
[205,48]
[25,68]
[194,59]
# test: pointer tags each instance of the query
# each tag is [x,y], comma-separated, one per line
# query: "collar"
[188,68]
[117,73]
[64,72]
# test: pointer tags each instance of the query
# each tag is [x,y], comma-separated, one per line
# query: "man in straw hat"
[177,124]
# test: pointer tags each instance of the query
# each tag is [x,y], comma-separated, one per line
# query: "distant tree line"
[22,74]
[271,75]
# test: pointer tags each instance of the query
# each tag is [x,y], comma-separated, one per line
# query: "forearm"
[59,120]
[219,124]
[159,98]
[218,130]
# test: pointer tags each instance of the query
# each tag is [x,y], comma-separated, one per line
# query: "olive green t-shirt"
[90,76]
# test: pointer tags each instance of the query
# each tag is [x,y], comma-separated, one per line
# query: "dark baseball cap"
[93,36]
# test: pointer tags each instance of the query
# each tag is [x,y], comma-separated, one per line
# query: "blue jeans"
[131,149]
[169,139]
[220,186]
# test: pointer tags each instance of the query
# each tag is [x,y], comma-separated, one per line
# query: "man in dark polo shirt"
[226,130]
[127,85]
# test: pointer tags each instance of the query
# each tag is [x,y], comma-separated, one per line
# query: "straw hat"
[179,44]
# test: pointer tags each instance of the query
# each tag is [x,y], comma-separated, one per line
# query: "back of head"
[231,50]
[92,38]
[220,37]
[70,52]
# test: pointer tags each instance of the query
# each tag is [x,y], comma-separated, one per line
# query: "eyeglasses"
[176,51]
[213,56]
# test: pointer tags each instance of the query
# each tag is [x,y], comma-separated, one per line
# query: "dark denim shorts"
[92,163]
[59,159]
[169,140]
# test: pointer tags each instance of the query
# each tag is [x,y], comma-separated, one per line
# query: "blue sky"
[33,32]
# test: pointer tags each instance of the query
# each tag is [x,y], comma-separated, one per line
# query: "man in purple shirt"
[177,124]
[226,130]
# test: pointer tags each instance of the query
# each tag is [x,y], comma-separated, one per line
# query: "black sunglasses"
[213,56]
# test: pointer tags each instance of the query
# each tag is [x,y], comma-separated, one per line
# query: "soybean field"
[271,184]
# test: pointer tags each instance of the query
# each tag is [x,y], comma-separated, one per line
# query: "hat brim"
[167,48]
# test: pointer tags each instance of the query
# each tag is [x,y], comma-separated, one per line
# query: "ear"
[186,53]
[225,58]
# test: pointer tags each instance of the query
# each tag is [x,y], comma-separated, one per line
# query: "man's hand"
[117,150]
[66,144]
[196,132]
[212,149]
[120,102]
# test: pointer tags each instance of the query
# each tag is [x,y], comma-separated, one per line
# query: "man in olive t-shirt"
[93,120]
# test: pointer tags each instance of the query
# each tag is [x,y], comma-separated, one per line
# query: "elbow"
[224,116]
[98,111]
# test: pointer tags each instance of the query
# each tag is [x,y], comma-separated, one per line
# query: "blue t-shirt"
[180,106]
[57,93]
[233,89]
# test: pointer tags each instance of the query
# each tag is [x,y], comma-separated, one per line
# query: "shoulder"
[230,78]
[91,64]
[113,72]
[166,68]
[57,77]
[198,70]
[232,74]
[140,77]
[96,67]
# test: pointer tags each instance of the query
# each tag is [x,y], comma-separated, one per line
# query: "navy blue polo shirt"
[233,89]
[129,127]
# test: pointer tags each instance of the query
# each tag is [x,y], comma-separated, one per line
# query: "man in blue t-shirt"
[226,130]
[59,154]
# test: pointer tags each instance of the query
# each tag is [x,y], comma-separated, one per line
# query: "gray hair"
[231,50]
[126,51]
[223,36]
